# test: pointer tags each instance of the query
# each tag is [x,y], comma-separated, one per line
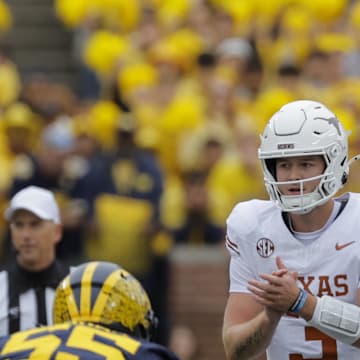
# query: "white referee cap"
[39,201]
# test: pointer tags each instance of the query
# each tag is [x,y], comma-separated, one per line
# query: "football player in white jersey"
[304,155]
[280,291]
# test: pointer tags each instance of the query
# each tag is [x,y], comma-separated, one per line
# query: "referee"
[27,287]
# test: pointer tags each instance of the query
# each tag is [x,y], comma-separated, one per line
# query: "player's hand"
[279,290]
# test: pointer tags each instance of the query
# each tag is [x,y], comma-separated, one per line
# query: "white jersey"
[329,265]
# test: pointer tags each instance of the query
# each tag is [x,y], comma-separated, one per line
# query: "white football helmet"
[303,128]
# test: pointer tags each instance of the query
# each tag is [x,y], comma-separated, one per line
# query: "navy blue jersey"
[79,341]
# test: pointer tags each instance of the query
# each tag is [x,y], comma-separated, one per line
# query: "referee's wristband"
[299,302]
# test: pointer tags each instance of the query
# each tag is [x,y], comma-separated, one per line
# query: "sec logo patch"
[265,247]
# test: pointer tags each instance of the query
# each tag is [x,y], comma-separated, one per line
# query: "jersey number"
[82,338]
[329,348]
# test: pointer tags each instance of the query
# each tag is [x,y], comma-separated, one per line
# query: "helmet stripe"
[85,296]
[76,276]
[75,284]
[105,292]
[70,297]
[103,271]
[99,277]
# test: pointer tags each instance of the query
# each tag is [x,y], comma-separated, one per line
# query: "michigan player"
[100,312]
[304,155]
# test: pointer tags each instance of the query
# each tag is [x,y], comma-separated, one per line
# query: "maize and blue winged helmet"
[105,294]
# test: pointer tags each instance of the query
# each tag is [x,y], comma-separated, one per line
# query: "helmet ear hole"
[344,178]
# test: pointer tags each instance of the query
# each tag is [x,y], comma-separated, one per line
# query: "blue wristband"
[300,302]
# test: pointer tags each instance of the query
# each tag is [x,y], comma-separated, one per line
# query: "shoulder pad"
[247,216]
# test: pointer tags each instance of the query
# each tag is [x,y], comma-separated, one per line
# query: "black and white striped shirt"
[26,298]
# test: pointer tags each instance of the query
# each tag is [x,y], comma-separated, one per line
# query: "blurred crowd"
[159,140]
